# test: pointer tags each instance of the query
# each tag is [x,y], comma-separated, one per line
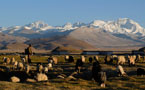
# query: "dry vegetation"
[83,82]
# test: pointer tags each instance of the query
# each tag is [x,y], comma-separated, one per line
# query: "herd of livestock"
[22,70]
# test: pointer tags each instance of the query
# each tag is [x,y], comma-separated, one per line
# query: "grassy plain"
[83,82]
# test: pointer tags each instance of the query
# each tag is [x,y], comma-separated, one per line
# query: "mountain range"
[122,33]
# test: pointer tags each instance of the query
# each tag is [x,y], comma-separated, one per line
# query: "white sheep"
[41,77]
[121,71]
[46,69]
[66,58]
[23,60]
[12,60]
[27,68]
[15,65]
[55,60]
[20,66]
[96,58]
[49,66]
[83,58]
[39,68]
[132,60]
[121,60]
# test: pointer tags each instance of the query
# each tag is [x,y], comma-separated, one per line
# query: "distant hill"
[9,40]
[100,38]
[68,49]
[65,41]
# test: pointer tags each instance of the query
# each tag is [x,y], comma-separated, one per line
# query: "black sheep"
[98,75]
[78,66]
[90,59]
[140,71]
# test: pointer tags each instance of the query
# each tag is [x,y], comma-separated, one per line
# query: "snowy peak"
[120,26]
[79,24]
[97,23]
[67,26]
[38,25]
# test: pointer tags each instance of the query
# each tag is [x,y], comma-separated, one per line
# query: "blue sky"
[58,12]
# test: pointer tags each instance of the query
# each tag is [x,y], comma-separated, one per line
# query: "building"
[97,52]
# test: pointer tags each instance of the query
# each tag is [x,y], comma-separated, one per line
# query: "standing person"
[28,52]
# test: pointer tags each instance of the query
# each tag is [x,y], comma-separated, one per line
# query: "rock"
[14,79]
[61,76]
[71,78]
[30,80]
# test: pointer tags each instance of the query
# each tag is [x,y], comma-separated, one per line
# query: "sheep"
[15,65]
[50,60]
[108,59]
[71,59]
[41,77]
[39,68]
[138,57]
[120,71]
[98,75]
[131,60]
[78,66]
[46,70]
[90,59]
[27,68]
[114,57]
[140,72]
[20,66]
[49,66]
[96,68]
[83,59]
[121,60]
[96,58]
[6,60]
[66,58]
[23,60]
[102,78]
[55,60]
[12,60]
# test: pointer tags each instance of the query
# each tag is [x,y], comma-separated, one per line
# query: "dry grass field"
[83,80]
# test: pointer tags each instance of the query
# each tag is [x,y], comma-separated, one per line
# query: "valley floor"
[83,82]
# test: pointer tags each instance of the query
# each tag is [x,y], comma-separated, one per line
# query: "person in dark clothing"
[28,52]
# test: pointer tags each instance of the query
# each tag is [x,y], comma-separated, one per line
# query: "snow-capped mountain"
[38,26]
[121,26]
[105,34]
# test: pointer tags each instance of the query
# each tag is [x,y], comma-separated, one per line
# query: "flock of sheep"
[99,75]
[41,73]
